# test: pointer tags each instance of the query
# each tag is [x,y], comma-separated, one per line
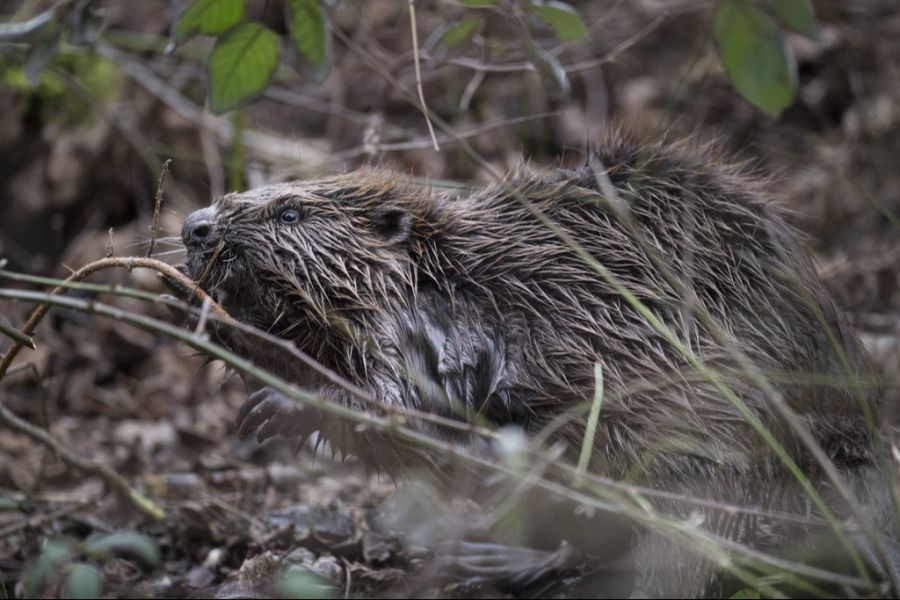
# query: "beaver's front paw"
[513,568]
[269,412]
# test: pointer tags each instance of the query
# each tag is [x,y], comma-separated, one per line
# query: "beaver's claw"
[511,567]
[268,412]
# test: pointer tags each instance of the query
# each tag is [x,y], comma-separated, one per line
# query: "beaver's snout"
[198,227]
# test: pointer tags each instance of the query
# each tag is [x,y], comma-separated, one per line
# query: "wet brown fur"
[439,300]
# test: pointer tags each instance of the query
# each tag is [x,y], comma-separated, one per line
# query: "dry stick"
[471,88]
[709,543]
[129,263]
[154,225]
[233,510]
[415,41]
[468,133]
[270,145]
[393,411]
[113,479]
[37,521]
[526,66]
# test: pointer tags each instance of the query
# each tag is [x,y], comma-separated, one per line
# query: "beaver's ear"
[393,224]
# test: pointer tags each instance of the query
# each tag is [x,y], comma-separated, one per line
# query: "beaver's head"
[302,259]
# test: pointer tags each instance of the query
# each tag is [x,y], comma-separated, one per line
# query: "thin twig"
[415,41]
[105,263]
[37,521]
[525,66]
[113,479]
[423,143]
[295,150]
[154,225]
[613,54]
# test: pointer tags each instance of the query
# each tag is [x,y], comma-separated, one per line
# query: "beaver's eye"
[289,216]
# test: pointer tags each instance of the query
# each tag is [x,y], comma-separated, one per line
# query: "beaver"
[501,303]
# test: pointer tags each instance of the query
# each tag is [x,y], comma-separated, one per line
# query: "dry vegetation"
[80,156]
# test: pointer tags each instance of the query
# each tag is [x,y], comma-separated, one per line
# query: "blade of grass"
[587,445]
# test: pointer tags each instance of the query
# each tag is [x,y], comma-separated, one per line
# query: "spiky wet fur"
[453,303]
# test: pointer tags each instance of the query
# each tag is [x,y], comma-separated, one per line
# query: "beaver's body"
[427,301]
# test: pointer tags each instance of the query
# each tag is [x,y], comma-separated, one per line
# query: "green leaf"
[796,14]
[755,56]
[127,544]
[461,31]
[552,73]
[38,575]
[241,65]
[745,594]
[210,17]
[308,27]
[479,3]
[82,581]
[9,504]
[297,582]
[563,18]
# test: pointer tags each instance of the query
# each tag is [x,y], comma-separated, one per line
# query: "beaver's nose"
[198,227]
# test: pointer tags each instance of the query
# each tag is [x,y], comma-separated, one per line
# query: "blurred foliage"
[73,565]
[210,17]
[48,92]
[310,37]
[247,54]
[565,20]
[9,504]
[297,582]
[751,45]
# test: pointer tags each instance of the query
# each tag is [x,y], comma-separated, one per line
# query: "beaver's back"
[688,239]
